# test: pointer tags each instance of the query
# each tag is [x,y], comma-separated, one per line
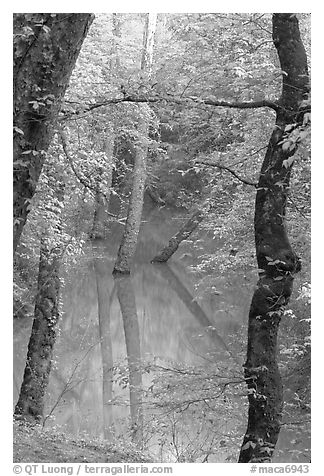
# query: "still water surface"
[154,317]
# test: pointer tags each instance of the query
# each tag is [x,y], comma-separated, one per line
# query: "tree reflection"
[126,297]
[193,307]
[104,306]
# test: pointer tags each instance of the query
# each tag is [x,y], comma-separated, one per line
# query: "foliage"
[186,407]
[196,56]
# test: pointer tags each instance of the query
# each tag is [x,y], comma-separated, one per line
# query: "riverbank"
[32,444]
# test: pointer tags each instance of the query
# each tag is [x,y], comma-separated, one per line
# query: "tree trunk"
[183,234]
[46,47]
[30,403]
[127,303]
[129,240]
[100,218]
[276,260]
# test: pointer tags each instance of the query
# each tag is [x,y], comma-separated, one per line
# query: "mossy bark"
[276,259]
[30,404]
[46,47]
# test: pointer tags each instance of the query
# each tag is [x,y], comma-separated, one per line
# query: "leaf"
[286,146]
[46,29]
[19,131]
[288,162]
[21,163]
[249,444]
[278,278]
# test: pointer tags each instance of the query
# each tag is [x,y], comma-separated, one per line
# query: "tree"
[102,200]
[210,134]
[185,231]
[129,239]
[46,47]
[30,403]
[277,262]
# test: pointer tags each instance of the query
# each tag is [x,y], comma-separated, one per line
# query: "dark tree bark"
[30,403]
[276,259]
[46,47]
[127,303]
[183,234]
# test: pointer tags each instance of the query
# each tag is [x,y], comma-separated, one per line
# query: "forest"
[161,237]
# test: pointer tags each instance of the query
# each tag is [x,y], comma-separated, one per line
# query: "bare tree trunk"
[30,403]
[129,241]
[275,256]
[46,47]
[127,303]
[183,234]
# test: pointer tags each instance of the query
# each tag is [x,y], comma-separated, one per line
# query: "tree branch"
[223,167]
[169,99]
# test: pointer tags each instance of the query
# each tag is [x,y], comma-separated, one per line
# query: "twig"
[66,386]
[223,167]
[297,208]
[81,179]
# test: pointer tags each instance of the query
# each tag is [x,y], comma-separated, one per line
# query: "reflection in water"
[127,303]
[102,326]
[191,304]
[104,306]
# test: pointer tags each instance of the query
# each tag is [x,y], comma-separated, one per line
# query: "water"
[164,325]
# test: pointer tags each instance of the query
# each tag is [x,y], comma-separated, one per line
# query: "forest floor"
[32,444]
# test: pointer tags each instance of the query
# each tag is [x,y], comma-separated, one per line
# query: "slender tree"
[129,240]
[46,47]
[276,259]
[102,199]
[102,196]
